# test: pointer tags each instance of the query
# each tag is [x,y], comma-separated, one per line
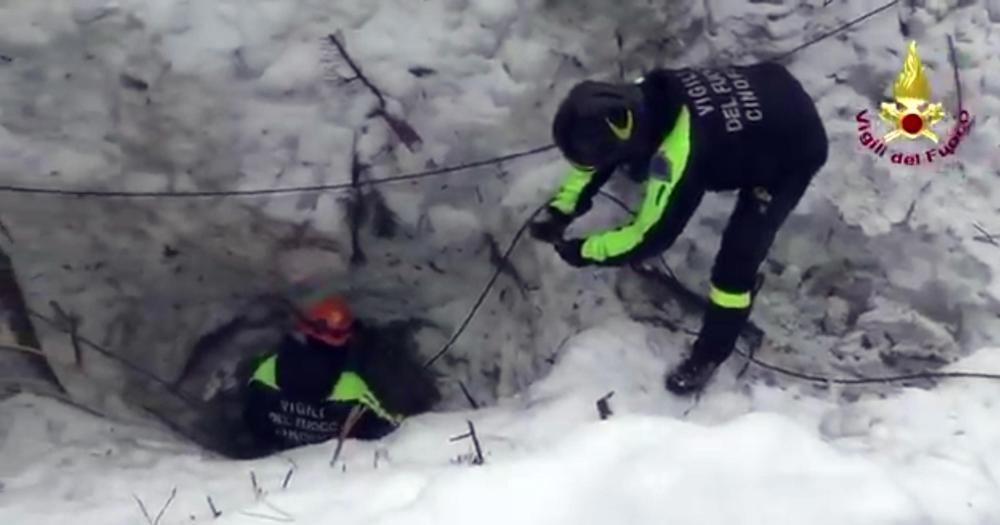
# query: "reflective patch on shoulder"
[659,168]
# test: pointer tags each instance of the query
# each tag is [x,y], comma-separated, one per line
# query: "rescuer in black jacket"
[302,393]
[681,133]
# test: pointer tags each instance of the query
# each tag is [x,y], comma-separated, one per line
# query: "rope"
[10,188]
[865,380]
[489,286]
[828,34]
[275,191]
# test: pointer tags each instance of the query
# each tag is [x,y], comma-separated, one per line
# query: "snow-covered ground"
[881,268]
[755,454]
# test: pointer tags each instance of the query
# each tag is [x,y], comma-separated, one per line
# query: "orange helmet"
[329,320]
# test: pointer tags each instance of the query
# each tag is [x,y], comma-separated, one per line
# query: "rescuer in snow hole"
[302,393]
[682,132]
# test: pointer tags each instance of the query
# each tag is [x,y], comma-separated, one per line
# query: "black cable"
[866,380]
[953,56]
[832,32]
[274,191]
[125,362]
[679,287]
[489,286]
[411,176]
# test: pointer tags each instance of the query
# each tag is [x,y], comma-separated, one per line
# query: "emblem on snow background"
[910,120]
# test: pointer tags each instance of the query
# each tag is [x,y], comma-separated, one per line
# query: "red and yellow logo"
[911,115]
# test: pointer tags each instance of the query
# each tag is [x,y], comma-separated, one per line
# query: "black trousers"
[759,213]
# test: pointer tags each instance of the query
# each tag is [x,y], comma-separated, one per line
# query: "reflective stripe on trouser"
[745,244]
[727,299]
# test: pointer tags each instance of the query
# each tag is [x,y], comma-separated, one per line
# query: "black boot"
[691,375]
[720,327]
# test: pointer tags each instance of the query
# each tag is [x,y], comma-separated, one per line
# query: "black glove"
[551,226]
[569,251]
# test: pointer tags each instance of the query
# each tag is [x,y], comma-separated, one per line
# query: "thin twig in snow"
[142,507]
[479,460]
[357,209]
[352,419]
[403,130]
[288,477]
[468,396]
[6,232]
[913,205]
[379,453]
[986,237]
[953,58]
[475,443]
[71,323]
[284,518]
[211,505]
[603,408]
[163,510]
[357,70]
[258,492]
[619,40]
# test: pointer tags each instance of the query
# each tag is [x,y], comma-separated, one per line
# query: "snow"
[750,454]
[878,271]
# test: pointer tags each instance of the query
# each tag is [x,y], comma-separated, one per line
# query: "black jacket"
[302,394]
[746,127]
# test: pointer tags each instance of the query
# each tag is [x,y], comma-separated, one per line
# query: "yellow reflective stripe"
[266,372]
[572,186]
[728,299]
[369,401]
[351,387]
[676,148]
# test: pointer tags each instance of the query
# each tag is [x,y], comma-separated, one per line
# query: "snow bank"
[153,96]
[755,454]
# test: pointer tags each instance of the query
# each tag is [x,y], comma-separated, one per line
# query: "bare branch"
[163,509]
[403,130]
[142,507]
[475,443]
[352,419]
[603,409]
[70,324]
[288,477]
[6,232]
[211,505]
[280,519]
[986,237]
[357,205]
[478,460]
[357,70]
[258,492]
[953,58]
[913,205]
[468,396]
